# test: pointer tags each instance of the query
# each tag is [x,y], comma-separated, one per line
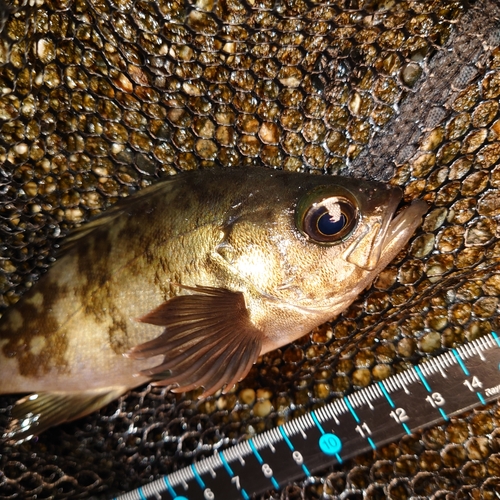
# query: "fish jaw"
[404,225]
[383,237]
[366,249]
[399,231]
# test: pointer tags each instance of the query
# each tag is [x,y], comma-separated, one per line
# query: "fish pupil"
[328,226]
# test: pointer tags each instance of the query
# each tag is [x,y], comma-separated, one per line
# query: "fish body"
[187,282]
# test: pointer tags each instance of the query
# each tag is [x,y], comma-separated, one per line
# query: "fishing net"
[99,99]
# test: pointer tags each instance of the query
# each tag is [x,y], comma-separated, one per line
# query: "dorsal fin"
[130,205]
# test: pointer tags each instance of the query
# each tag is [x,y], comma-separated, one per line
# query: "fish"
[187,282]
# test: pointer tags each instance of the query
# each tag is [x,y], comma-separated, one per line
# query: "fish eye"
[329,221]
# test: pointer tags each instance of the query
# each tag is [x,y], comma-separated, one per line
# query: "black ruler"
[427,394]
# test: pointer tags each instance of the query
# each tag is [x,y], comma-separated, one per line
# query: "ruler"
[420,397]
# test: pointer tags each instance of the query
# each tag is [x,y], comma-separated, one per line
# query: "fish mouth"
[404,224]
[383,237]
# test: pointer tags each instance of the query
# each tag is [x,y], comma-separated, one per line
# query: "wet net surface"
[99,99]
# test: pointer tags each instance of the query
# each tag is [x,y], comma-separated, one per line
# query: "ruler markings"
[198,478]
[337,410]
[169,487]
[373,416]
[460,361]
[316,422]
[351,409]
[330,410]
[372,391]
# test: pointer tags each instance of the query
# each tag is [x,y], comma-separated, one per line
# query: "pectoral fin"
[209,340]
[35,413]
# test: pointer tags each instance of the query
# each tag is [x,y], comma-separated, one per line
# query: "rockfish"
[188,281]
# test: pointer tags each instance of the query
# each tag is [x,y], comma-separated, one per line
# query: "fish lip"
[395,196]
[403,225]
[387,233]
[381,205]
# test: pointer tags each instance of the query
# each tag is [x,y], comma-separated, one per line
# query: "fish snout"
[375,225]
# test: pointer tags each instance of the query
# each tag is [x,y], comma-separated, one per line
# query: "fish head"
[312,243]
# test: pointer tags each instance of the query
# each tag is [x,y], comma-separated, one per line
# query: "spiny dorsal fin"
[130,205]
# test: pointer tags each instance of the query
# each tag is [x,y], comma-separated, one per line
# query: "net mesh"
[101,98]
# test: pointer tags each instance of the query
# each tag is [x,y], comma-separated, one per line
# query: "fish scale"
[76,148]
